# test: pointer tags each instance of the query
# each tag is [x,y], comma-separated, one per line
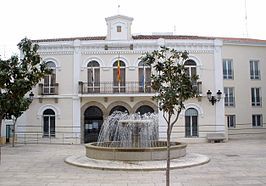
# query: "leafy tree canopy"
[169,78]
[18,76]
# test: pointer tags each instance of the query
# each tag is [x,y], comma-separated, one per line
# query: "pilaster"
[218,85]
[76,76]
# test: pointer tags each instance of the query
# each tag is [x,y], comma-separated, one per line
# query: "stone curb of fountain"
[190,160]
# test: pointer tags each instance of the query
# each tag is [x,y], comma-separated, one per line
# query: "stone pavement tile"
[9,183]
[196,183]
[248,181]
[263,179]
[113,184]
[223,184]
[87,184]
[140,184]
[32,184]
[60,184]
[44,165]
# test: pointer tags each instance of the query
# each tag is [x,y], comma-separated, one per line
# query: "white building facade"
[71,104]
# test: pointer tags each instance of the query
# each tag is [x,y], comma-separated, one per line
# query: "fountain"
[133,137]
[131,142]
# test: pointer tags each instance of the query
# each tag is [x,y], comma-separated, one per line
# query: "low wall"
[134,154]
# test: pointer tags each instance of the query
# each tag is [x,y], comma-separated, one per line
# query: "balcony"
[123,88]
[48,89]
[115,88]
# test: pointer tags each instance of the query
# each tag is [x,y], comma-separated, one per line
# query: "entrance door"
[191,123]
[48,123]
[93,120]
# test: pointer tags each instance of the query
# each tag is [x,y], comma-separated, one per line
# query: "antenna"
[246,18]
[118,7]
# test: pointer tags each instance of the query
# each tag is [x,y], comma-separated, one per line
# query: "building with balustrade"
[71,104]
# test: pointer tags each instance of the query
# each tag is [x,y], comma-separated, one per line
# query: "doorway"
[93,120]
[191,123]
[48,123]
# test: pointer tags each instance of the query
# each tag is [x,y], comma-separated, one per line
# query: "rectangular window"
[229,99]
[228,71]
[257,120]
[119,29]
[231,121]
[255,97]
[254,69]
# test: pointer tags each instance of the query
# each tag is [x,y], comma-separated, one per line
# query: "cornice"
[56,52]
[116,47]
[237,43]
[61,48]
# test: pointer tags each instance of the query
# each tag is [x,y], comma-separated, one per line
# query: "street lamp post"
[214,99]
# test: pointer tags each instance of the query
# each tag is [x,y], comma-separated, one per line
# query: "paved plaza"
[237,162]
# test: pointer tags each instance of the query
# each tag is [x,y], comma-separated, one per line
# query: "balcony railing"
[123,88]
[115,88]
[48,89]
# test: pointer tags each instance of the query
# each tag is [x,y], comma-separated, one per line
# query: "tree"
[18,106]
[173,86]
[18,77]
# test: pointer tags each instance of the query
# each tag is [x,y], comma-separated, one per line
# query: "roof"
[151,37]
[70,39]
[119,17]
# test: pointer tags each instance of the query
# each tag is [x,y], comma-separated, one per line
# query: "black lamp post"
[31,95]
[214,99]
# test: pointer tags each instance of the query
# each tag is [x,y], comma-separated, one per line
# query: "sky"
[43,19]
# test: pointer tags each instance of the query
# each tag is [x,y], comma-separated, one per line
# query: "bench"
[215,137]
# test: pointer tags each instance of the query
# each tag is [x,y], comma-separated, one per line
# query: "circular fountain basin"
[158,151]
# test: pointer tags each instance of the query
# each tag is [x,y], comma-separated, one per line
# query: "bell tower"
[119,27]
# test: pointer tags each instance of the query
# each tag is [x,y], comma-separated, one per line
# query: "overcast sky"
[42,19]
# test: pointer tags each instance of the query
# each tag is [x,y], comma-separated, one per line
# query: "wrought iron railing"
[123,87]
[39,138]
[114,88]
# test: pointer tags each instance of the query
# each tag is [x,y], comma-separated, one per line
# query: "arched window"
[191,67]
[118,108]
[93,120]
[144,77]
[119,76]
[191,123]
[48,123]
[93,76]
[191,70]
[49,86]
[144,109]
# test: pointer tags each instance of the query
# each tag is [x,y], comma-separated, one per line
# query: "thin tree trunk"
[168,156]
[1,117]
[14,132]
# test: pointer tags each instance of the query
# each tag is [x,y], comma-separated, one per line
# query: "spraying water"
[123,130]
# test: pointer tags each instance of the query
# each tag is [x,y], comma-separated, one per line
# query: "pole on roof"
[118,7]
[246,18]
